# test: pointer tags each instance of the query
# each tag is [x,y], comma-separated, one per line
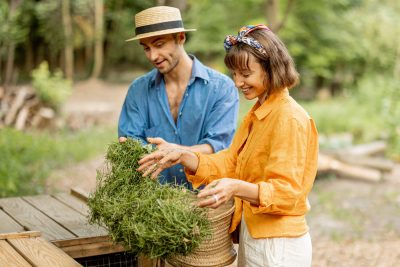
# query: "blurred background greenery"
[347,52]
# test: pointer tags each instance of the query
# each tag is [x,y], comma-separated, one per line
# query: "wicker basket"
[217,250]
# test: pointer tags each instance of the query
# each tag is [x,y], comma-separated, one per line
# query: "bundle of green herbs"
[145,216]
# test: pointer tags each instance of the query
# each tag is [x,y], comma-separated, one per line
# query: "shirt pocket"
[152,132]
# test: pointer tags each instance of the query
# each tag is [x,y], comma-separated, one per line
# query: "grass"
[343,114]
[28,158]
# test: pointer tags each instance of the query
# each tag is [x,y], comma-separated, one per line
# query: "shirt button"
[180,113]
[176,132]
[186,94]
[180,170]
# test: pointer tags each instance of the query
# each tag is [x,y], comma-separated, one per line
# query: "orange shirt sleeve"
[212,167]
[222,164]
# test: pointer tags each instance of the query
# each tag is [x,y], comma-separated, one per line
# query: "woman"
[270,167]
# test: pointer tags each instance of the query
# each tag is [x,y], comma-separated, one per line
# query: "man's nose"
[153,55]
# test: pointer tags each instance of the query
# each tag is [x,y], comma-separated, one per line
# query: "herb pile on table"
[141,214]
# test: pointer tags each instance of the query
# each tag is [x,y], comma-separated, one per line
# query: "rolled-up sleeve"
[220,124]
[212,167]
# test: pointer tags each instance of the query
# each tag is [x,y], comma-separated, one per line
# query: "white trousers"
[274,252]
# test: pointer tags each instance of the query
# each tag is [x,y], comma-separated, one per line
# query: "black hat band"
[159,27]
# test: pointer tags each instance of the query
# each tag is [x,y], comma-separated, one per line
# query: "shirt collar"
[263,110]
[198,71]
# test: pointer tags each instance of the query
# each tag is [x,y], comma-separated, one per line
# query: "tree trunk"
[272,9]
[68,50]
[98,45]
[11,47]
[29,61]
[9,64]
[180,4]
[1,64]
[272,12]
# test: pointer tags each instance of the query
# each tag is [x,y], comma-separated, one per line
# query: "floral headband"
[231,40]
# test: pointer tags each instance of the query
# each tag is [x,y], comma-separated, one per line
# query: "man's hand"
[122,139]
[162,144]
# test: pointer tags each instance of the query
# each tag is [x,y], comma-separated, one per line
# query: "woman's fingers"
[157,161]
[213,201]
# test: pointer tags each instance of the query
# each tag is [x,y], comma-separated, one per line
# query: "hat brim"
[157,33]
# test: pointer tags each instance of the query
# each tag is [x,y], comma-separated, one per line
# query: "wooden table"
[61,218]
[29,249]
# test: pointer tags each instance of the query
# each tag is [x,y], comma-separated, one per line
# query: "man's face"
[162,51]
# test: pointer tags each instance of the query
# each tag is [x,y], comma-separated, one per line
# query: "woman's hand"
[218,192]
[166,156]
[156,162]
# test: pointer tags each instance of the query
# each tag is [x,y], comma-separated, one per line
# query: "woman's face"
[251,81]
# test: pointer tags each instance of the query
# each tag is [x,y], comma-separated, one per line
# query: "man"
[181,102]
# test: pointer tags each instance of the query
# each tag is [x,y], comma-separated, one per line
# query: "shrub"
[52,90]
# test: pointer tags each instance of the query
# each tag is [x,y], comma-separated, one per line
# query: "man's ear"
[181,38]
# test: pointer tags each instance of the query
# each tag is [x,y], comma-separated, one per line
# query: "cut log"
[47,113]
[369,149]
[16,105]
[380,164]
[328,163]
[21,119]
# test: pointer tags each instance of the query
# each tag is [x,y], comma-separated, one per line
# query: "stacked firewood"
[21,108]
[363,162]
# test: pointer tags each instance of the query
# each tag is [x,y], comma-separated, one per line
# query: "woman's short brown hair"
[276,62]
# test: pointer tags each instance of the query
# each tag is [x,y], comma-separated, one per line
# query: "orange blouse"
[276,147]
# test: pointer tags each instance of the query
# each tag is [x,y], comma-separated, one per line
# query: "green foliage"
[148,218]
[381,95]
[49,18]
[120,21]
[52,90]
[214,20]
[369,112]
[345,114]
[28,158]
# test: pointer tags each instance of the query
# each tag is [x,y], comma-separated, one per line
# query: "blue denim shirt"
[207,113]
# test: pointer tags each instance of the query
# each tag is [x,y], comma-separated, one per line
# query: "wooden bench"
[30,249]
[61,218]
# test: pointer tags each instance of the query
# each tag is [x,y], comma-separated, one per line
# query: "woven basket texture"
[217,250]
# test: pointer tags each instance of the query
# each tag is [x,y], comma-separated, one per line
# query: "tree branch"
[288,9]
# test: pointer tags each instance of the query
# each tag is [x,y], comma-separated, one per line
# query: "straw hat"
[158,20]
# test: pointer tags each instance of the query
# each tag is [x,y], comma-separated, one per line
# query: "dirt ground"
[352,223]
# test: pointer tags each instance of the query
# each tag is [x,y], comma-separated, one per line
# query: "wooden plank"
[20,235]
[81,241]
[41,253]
[32,219]
[8,224]
[72,220]
[10,257]
[93,249]
[80,193]
[73,202]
